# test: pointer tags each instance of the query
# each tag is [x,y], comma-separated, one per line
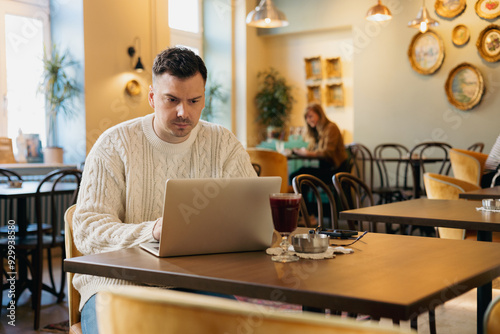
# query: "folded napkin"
[482,208]
[328,254]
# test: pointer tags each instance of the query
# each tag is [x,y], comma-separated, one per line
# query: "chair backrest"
[392,164]
[354,194]
[53,204]
[361,162]
[446,187]
[10,175]
[478,147]
[272,163]
[71,251]
[492,317]
[467,165]
[257,168]
[134,309]
[301,184]
[437,150]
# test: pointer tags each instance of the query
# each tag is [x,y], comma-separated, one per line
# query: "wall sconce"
[131,52]
[133,88]
[266,15]
[378,13]
[423,20]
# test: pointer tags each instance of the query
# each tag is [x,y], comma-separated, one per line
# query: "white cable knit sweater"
[122,188]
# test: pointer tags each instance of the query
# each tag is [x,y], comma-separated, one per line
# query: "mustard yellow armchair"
[492,317]
[439,186]
[467,165]
[73,295]
[134,309]
[271,163]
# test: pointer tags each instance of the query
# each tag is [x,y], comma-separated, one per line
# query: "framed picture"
[426,52]
[333,68]
[488,43]
[313,68]
[460,35]
[314,94]
[34,146]
[464,86]
[488,9]
[335,95]
[450,8]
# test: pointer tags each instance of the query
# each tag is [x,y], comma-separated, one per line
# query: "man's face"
[177,104]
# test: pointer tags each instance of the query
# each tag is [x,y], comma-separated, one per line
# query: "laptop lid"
[204,216]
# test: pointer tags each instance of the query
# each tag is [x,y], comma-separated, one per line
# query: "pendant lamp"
[266,15]
[423,20]
[378,13]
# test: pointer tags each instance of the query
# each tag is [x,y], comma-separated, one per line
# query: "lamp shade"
[139,67]
[266,15]
[423,20]
[378,13]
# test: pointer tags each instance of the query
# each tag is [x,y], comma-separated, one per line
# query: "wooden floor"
[51,311]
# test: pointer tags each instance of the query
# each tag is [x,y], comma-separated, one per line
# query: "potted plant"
[274,102]
[60,91]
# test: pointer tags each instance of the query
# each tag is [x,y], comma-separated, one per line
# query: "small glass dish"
[310,243]
[15,183]
[491,204]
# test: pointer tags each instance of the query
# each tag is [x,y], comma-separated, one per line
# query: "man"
[121,198]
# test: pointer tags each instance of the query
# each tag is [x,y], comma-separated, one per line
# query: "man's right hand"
[157,229]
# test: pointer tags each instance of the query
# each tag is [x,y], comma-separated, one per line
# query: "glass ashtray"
[491,204]
[15,183]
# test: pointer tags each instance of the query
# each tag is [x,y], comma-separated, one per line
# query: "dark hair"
[179,62]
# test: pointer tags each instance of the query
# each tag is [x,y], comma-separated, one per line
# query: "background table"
[28,190]
[481,194]
[35,168]
[391,276]
[436,213]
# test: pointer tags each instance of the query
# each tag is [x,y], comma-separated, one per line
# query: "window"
[185,22]
[184,15]
[24,30]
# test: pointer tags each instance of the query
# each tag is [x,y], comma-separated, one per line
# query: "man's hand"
[157,229]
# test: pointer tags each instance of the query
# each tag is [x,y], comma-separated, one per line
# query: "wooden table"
[480,194]
[28,190]
[391,276]
[442,213]
[35,168]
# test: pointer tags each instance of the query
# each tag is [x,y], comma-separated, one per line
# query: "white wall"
[391,102]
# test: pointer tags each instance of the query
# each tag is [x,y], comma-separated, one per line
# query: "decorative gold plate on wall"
[488,43]
[449,9]
[460,35]
[426,52]
[464,86]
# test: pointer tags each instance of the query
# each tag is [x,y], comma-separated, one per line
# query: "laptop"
[206,216]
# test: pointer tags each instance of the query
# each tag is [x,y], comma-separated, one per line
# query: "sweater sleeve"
[493,159]
[98,223]
[237,163]
[328,144]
